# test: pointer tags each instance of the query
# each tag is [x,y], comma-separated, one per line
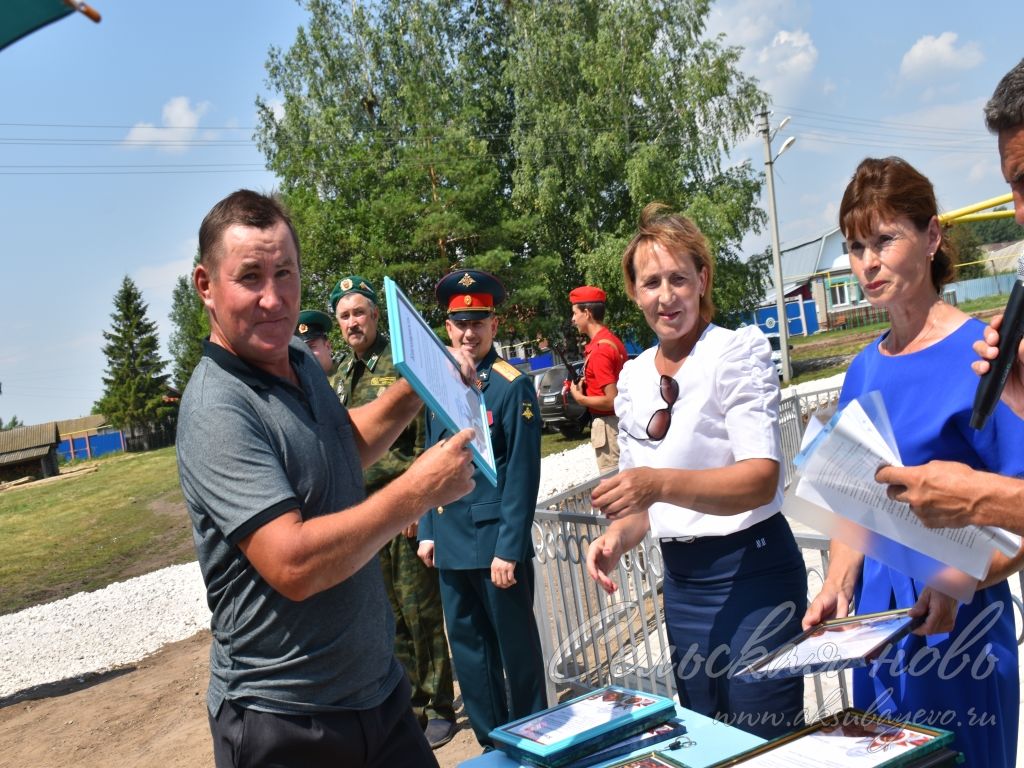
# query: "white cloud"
[933,56]
[180,124]
[749,23]
[785,64]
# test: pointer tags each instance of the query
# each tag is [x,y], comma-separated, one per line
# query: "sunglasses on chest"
[661,419]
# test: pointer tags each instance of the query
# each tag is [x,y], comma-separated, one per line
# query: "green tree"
[191,326]
[620,103]
[416,137]
[392,147]
[14,423]
[134,385]
[967,252]
[996,230]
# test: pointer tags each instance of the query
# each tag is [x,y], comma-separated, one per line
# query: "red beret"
[586,293]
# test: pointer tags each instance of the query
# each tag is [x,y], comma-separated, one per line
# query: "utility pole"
[780,296]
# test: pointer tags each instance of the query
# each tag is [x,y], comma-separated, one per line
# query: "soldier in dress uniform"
[482,544]
[412,588]
[313,328]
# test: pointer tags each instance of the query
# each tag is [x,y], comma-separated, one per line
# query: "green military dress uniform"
[492,631]
[412,587]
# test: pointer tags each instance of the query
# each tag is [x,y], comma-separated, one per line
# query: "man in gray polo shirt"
[302,669]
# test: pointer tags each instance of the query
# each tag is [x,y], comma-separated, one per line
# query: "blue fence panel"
[980,287]
[98,445]
[109,442]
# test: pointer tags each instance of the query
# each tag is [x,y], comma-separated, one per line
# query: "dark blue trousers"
[729,600]
[492,633]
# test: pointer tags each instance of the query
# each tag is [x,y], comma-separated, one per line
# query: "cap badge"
[467,300]
[303,327]
[346,284]
[466,280]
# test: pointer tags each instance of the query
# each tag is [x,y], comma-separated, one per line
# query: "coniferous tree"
[191,326]
[134,384]
[14,423]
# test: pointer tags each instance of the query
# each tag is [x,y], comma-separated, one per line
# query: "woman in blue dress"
[959,670]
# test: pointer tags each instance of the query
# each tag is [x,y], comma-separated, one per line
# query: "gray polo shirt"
[250,447]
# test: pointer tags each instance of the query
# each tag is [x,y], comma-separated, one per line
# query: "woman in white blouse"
[700,466]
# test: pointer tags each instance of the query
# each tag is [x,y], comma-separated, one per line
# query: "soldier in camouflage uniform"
[412,588]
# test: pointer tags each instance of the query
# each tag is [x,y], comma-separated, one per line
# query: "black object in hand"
[990,388]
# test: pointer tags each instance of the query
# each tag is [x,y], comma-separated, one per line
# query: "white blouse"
[727,411]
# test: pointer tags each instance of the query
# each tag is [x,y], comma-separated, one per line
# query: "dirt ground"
[148,715]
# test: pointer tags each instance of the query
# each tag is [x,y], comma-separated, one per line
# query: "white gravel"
[125,622]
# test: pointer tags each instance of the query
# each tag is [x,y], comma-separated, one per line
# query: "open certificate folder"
[837,468]
[431,370]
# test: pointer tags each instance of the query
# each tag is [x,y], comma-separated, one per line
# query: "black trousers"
[385,736]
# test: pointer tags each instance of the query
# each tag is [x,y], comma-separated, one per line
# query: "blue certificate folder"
[565,733]
[425,362]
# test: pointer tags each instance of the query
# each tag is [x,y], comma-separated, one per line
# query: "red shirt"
[605,356]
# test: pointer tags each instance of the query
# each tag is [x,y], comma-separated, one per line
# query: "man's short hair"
[1005,110]
[245,207]
[595,308]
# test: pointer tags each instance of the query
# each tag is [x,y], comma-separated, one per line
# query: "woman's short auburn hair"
[679,236]
[891,188]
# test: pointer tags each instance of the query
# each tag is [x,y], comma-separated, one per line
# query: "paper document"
[837,471]
[428,366]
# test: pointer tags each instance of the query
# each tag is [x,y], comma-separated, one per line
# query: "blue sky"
[88,197]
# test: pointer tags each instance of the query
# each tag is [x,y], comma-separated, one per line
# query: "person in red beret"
[604,357]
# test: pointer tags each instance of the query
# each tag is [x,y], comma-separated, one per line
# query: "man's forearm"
[379,423]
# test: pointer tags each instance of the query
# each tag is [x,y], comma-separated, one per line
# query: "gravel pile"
[121,624]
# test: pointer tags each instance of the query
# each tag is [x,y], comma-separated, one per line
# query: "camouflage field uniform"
[412,588]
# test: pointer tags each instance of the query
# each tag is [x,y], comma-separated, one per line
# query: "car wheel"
[571,431]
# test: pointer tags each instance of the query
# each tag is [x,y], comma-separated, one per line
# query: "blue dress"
[965,681]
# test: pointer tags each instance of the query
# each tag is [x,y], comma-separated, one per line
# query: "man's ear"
[201,280]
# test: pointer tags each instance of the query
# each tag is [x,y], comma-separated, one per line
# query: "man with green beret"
[313,328]
[482,544]
[412,587]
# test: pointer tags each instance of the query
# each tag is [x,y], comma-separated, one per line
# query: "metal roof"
[24,443]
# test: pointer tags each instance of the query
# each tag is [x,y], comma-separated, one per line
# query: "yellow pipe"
[943,218]
[982,216]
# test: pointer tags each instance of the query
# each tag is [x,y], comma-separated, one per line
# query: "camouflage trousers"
[420,643]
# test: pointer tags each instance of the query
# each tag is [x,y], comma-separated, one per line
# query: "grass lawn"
[553,442]
[90,530]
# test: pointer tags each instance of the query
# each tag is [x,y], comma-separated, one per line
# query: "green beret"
[352,284]
[313,324]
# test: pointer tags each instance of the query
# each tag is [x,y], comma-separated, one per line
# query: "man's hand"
[988,349]
[444,472]
[944,494]
[576,390]
[410,530]
[938,610]
[467,368]
[503,573]
[630,492]
[425,552]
